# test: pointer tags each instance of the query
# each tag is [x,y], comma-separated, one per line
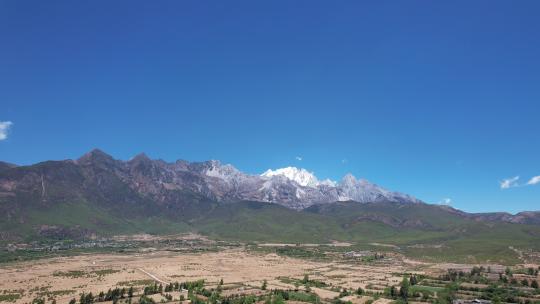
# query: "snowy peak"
[299,175]
[312,190]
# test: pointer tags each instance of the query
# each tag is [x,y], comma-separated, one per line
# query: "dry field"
[65,278]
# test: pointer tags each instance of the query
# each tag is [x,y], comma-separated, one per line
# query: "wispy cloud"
[534,180]
[299,158]
[445,201]
[513,182]
[4,129]
[344,161]
[509,182]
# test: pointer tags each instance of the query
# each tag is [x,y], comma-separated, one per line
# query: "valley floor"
[65,278]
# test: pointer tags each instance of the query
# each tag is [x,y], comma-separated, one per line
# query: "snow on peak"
[299,175]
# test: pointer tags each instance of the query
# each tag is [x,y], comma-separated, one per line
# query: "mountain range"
[97,194]
[159,181]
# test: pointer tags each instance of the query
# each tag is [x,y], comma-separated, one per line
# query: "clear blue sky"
[439,99]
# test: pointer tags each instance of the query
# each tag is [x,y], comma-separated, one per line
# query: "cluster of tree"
[190,285]
[498,294]
[279,296]
[115,294]
[153,289]
[316,283]
[533,283]
[111,295]
[476,275]
[274,297]
[344,292]
[244,299]
[452,275]
[514,281]
[532,272]
[86,298]
[403,293]
[146,300]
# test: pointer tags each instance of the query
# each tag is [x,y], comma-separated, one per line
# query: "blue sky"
[438,99]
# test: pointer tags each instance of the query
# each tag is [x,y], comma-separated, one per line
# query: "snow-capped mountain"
[309,189]
[170,184]
[296,188]
[301,176]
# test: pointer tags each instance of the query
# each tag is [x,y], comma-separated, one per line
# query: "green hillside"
[426,231]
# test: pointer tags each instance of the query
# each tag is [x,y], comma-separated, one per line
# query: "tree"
[221,281]
[524,282]
[404,289]
[413,280]
[359,291]
[264,285]
[89,298]
[305,280]
[393,292]
[130,292]
[534,284]
[72,301]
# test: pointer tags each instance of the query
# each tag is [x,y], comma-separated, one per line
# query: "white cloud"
[444,201]
[299,158]
[509,182]
[534,180]
[344,161]
[4,129]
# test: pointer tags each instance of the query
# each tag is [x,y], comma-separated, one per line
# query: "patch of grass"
[10,297]
[54,293]
[136,283]
[70,274]
[303,297]
[104,272]
[421,288]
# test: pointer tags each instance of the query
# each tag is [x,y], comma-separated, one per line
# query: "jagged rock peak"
[348,179]
[95,155]
[140,157]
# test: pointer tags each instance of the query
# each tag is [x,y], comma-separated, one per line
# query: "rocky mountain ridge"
[224,183]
